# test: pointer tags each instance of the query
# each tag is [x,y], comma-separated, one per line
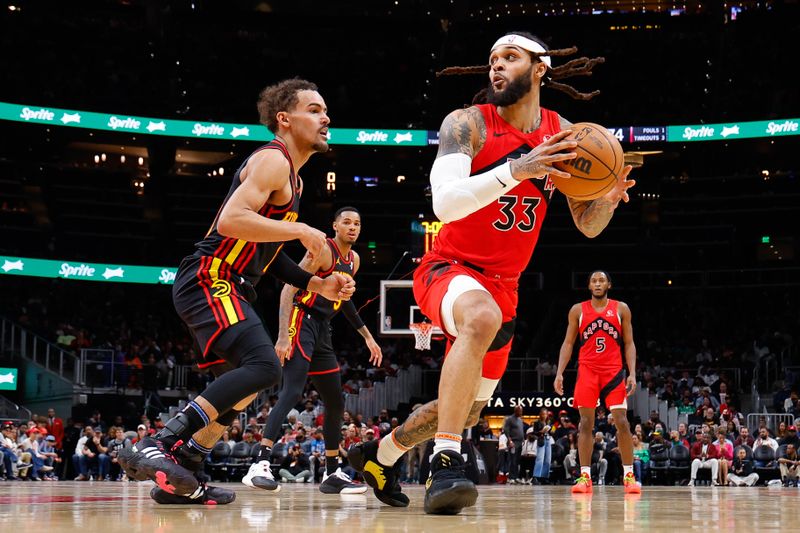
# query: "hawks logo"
[222,288]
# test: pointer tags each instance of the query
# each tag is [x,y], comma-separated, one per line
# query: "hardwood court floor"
[107,506]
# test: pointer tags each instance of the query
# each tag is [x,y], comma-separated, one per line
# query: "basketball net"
[423,331]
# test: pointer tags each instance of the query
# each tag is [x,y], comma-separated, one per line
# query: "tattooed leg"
[421,424]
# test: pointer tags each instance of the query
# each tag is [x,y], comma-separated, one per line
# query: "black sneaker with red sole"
[204,495]
[150,459]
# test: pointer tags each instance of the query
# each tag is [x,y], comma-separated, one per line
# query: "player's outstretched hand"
[313,240]
[558,384]
[538,163]
[620,190]
[284,349]
[337,287]
[630,385]
[375,354]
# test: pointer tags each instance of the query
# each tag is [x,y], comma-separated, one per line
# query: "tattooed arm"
[463,132]
[462,135]
[591,217]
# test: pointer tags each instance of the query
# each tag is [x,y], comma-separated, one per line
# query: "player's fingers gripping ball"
[598,164]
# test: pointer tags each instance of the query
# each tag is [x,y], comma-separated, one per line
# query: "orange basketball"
[599,162]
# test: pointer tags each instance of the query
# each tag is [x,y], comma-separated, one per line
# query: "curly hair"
[581,66]
[281,96]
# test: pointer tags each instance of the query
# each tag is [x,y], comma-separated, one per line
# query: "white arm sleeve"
[456,194]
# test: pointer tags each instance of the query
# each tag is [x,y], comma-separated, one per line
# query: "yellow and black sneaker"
[448,490]
[384,480]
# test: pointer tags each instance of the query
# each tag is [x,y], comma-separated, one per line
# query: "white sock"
[446,441]
[389,450]
[627,469]
[586,470]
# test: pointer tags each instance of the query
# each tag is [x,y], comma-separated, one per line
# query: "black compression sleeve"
[289,272]
[350,312]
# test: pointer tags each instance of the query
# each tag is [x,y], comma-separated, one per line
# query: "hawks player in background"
[490,187]
[214,289]
[602,327]
[304,348]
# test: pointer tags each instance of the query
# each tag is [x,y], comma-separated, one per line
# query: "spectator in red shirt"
[704,455]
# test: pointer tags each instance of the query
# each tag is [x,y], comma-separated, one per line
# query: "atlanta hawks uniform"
[214,287]
[309,324]
[494,244]
[600,373]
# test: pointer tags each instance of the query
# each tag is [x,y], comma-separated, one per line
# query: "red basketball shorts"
[431,283]
[606,385]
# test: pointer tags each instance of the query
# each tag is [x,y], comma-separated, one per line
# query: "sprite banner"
[734,130]
[193,129]
[46,268]
[369,137]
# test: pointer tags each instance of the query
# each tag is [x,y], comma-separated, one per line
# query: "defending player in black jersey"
[304,346]
[214,289]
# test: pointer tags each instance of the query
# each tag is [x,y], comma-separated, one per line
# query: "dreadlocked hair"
[581,66]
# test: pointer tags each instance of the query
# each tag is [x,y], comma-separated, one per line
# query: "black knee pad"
[503,336]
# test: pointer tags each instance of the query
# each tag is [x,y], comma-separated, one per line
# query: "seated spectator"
[263,414]
[788,466]
[744,438]
[31,446]
[781,432]
[676,440]
[683,433]
[704,455]
[116,445]
[571,457]
[741,474]
[711,420]
[641,458]
[8,448]
[598,457]
[563,426]
[141,432]
[686,406]
[301,440]
[317,456]
[295,467]
[527,457]
[94,455]
[790,438]
[308,416]
[764,440]
[235,434]
[47,448]
[725,451]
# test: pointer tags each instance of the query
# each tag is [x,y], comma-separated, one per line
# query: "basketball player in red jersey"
[602,327]
[490,187]
[214,288]
[305,349]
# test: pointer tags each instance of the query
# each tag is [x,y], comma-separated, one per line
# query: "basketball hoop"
[423,331]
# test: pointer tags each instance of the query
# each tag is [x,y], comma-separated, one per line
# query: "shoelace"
[341,475]
[584,479]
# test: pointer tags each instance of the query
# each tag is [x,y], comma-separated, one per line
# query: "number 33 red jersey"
[500,238]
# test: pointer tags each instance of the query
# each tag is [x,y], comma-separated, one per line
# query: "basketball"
[594,172]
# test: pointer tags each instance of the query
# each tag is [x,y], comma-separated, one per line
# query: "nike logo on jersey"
[496,134]
[500,182]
